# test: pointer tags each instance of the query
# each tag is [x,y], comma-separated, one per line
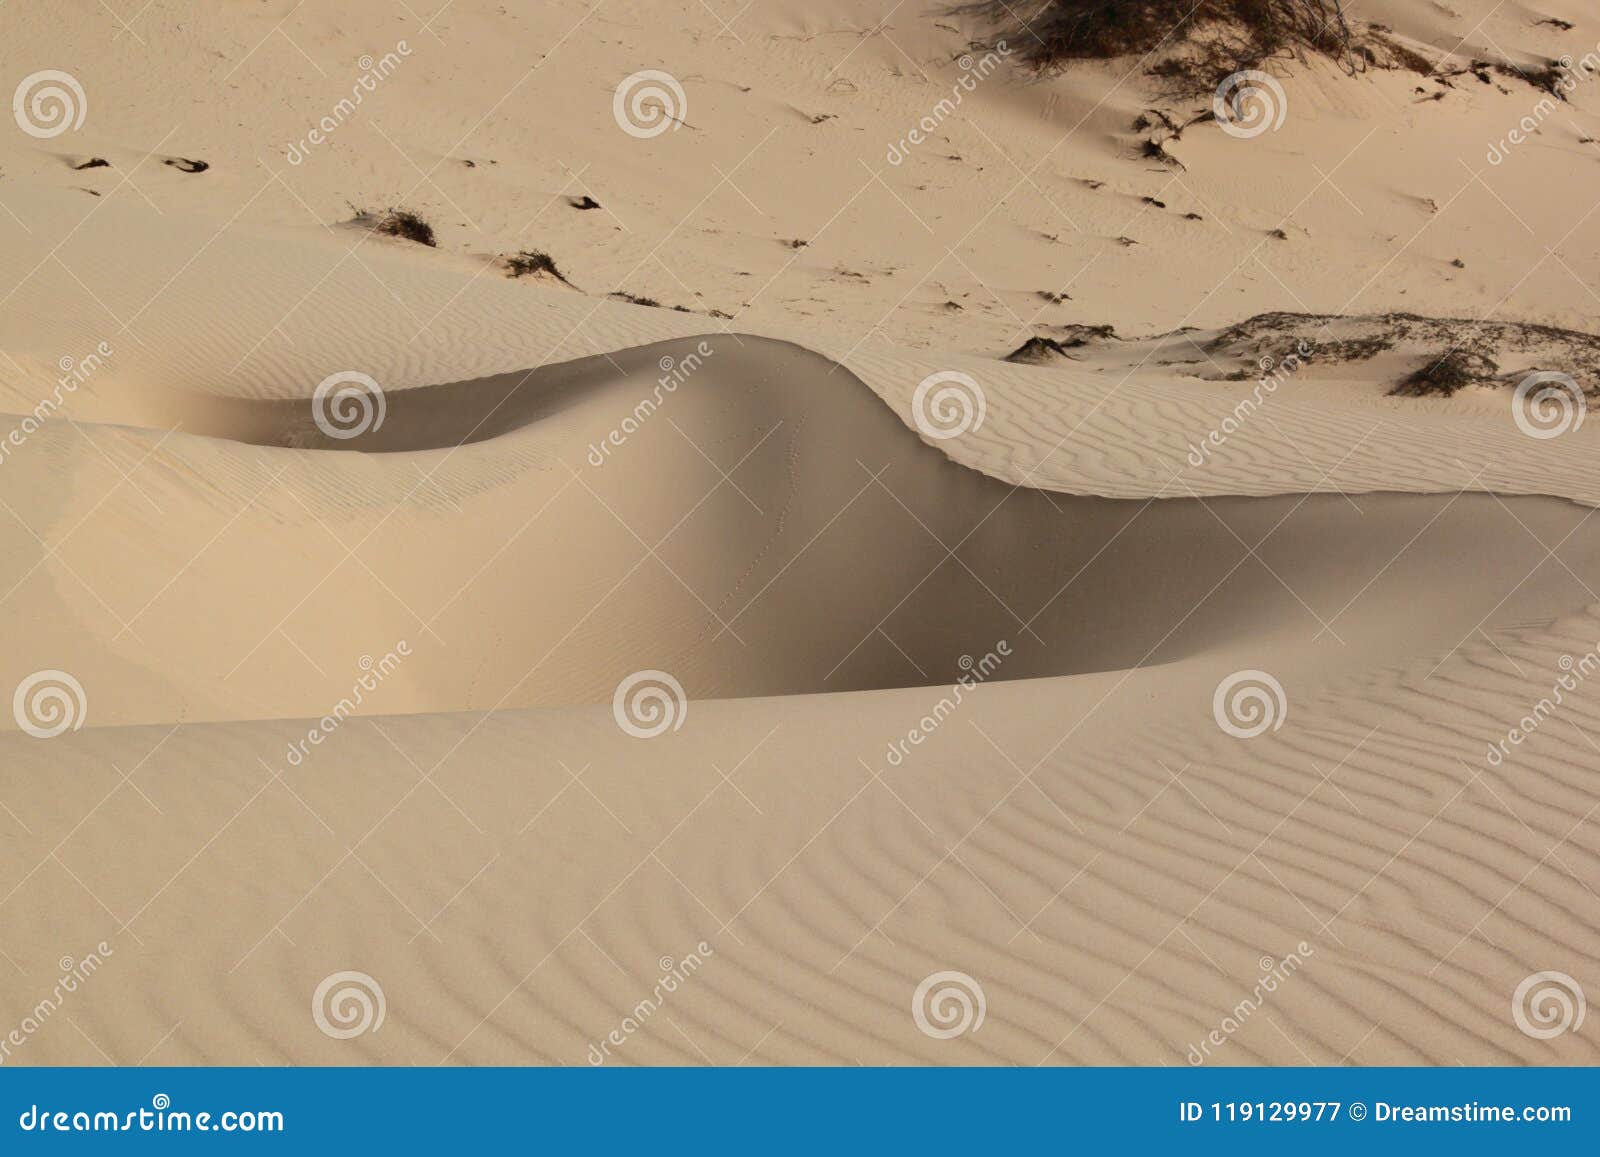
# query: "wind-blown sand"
[830,817]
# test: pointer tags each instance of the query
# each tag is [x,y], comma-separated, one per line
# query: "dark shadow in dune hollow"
[816,543]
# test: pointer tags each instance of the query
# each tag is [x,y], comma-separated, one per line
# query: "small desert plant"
[532,261]
[398,223]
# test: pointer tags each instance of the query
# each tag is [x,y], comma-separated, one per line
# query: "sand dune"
[1050,835]
[1113,874]
[513,648]
[763,525]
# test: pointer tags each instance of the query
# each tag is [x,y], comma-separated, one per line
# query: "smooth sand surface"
[450,600]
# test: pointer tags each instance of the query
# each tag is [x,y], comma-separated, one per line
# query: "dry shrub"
[401,223]
[1197,41]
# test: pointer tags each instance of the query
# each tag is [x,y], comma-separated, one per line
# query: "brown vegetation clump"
[531,262]
[1208,39]
[401,223]
[1443,376]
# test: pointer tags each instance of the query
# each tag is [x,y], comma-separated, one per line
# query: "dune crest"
[681,536]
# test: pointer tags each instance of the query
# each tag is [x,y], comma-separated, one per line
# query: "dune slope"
[1112,728]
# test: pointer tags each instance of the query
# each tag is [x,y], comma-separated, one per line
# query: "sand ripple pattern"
[1111,905]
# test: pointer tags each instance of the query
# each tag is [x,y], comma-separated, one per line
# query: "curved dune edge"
[764,527]
[1092,849]
[1114,434]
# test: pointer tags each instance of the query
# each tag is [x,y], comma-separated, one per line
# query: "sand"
[932,704]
